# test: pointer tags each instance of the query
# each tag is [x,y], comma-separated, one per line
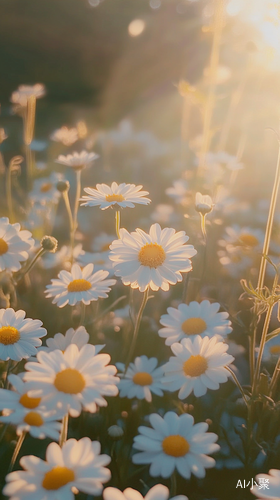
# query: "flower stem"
[118,223]
[237,384]
[202,223]
[39,254]
[16,451]
[173,486]
[9,194]
[274,377]
[64,430]
[136,327]
[261,349]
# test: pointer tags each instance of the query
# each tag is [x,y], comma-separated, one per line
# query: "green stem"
[64,430]
[261,349]
[274,377]
[6,381]
[136,327]
[9,194]
[16,451]
[118,223]
[202,223]
[173,486]
[237,384]
[39,254]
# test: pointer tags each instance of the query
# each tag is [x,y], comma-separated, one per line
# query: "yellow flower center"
[151,255]
[69,381]
[33,418]
[142,378]
[79,286]
[57,477]
[9,335]
[47,186]
[274,349]
[194,326]
[195,366]
[114,197]
[175,446]
[248,240]
[3,246]
[28,402]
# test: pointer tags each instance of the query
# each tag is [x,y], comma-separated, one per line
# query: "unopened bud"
[49,243]
[63,186]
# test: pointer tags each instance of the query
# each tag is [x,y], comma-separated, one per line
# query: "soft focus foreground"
[139,263]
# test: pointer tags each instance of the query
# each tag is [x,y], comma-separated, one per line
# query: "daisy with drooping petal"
[141,379]
[152,260]
[79,285]
[272,480]
[19,336]
[198,365]
[14,245]
[117,195]
[194,319]
[77,464]
[175,442]
[72,380]
[157,492]
[39,424]
[77,161]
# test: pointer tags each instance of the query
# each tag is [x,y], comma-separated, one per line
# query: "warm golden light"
[136,27]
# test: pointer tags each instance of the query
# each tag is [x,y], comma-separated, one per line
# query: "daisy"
[163,213]
[19,336]
[194,319]
[24,92]
[235,261]
[77,161]
[14,245]
[79,285]
[102,242]
[203,203]
[175,442]
[65,135]
[198,365]
[79,337]
[39,424]
[14,401]
[244,237]
[224,160]
[272,479]
[100,260]
[77,464]
[157,492]
[151,260]
[44,189]
[179,192]
[141,379]
[118,195]
[72,380]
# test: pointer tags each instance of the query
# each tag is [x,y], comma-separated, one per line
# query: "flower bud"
[115,432]
[63,186]
[49,244]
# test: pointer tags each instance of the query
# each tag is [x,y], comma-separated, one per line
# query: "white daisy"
[72,380]
[198,365]
[180,192]
[79,337]
[19,336]
[224,160]
[141,379]
[77,464]
[157,492]
[100,260]
[39,424]
[117,195]
[79,285]
[44,189]
[235,261]
[77,161]
[203,203]
[175,442]
[17,401]
[163,213]
[65,135]
[102,242]
[272,479]
[194,319]
[14,245]
[244,237]
[151,260]
[24,92]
